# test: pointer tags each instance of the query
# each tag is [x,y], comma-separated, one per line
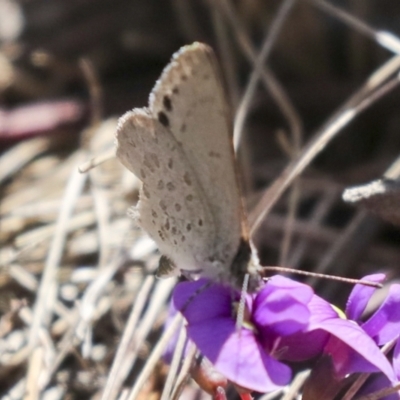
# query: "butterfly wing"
[190,101]
[172,208]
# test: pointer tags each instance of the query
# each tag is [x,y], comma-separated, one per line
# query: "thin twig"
[337,246]
[124,355]
[352,108]
[269,40]
[96,161]
[155,356]
[296,385]
[174,367]
[385,39]
[268,79]
[48,286]
[18,156]
[184,373]
[228,61]
[95,91]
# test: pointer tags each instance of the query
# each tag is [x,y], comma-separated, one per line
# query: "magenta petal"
[384,324]
[238,356]
[353,350]
[199,302]
[211,336]
[281,314]
[299,291]
[396,359]
[281,307]
[320,310]
[360,295]
[302,345]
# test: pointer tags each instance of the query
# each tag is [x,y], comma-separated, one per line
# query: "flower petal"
[360,295]
[351,348]
[202,300]
[281,307]
[384,324]
[238,356]
[396,359]
[302,346]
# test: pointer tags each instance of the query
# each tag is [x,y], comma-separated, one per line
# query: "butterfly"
[180,147]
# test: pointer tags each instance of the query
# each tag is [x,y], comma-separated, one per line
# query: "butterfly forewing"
[190,100]
[171,208]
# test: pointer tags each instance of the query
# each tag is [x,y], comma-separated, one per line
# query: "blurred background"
[68,69]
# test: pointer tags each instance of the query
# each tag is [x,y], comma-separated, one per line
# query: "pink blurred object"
[39,118]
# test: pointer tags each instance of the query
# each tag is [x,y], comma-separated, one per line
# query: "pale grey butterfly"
[180,147]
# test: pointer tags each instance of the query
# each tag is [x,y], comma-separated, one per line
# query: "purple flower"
[383,325]
[351,349]
[283,322]
[247,357]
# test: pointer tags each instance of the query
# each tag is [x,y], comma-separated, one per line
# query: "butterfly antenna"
[242,303]
[324,276]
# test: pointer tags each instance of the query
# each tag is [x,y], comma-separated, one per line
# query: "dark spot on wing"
[147,162]
[164,120]
[175,90]
[167,103]
[170,186]
[187,179]
[146,192]
[155,159]
[160,184]
[214,154]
